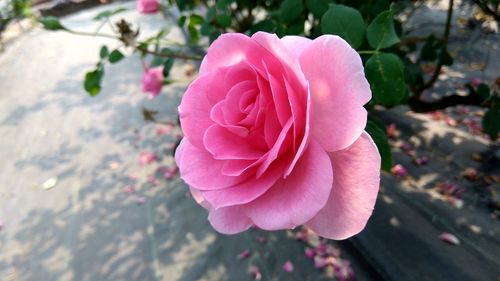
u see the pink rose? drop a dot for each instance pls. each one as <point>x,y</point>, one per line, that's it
<point>152,81</point>
<point>274,135</point>
<point>148,6</point>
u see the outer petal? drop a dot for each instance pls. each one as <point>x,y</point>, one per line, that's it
<point>229,220</point>
<point>194,110</point>
<point>228,49</point>
<point>200,170</point>
<point>296,44</point>
<point>298,198</point>
<point>338,88</point>
<point>355,188</point>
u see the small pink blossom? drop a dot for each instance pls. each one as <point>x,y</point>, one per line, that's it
<point>288,266</point>
<point>420,161</point>
<point>399,171</point>
<point>449,238</point>
<point>146,157</point>
<point>1,225</point>
<point>152,81</point>
<point>148,6</point>
<point>244,255</point>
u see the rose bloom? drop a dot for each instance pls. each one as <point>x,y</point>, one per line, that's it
<point>148,6</point>
<point>274,135</point>
<point>152,81</point>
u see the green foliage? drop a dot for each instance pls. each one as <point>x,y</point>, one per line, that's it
<point>345,22</point>
<point>385,72</point>
<point>380,138</point>
<point>115,56</point>
<point>381,33</point>
<point>290,10</point>
<point>92,81</point>
<point>51,23</point>
<point>317,7</point>
<point>491,123</point>
<point>104,53</point>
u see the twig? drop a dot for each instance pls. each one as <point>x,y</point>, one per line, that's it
<point>439,66</point>
<point>163,55</point>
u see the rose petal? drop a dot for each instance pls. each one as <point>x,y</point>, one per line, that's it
<point>200,170</point>
<point>355,187</point>
<point>229,220</point>
<point>296,44</point>
<point>339,90</point>
<point>246,191</point>
<point>228,49</point>
<point>194,110</point>
<point>223,144</point>
<point>296,199</point>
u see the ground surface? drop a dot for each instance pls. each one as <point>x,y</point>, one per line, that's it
<point>76,204</point>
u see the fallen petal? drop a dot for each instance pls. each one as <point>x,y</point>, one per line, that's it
<point>449,238</point>
<point>255,272</point>
<point>140,200</point>
<point>288,266</point>
<point>244,255</point>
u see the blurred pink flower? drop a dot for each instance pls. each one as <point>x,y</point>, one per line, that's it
<point>152,81</point>
<point>148,6</point>
<point>274,136</point>
<point>244,255</point>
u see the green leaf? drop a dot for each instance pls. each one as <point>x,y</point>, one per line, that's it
<point>195,19</point>
<point>429,49</point>
<point>224,20</point>
<point>193,33</point>
<point>265,25</point>
<point>222,4</point>
<point>108,13</point>
<point>51,23</point>
<point>380,138</point>
<point>445,57</point>
<point>345,22</point>
<point>181,21</point>
<point>381,33</point>
<point>385,72</point>
<point>211,13</point>
<point>92,82</point>
<point>491,123</point>
<point>483,90</point>
<point>115,56</point>
<point>104,53</point>
<point>167,66</point>
<point>317,7</point>
<point>160,60</point>
<point>205,29</point>
<point>290,10</point>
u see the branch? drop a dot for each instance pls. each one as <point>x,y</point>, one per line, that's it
<point>163,55</point>
<point>486,9</point>
<point>446,36</point>
<point>419,106</point>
